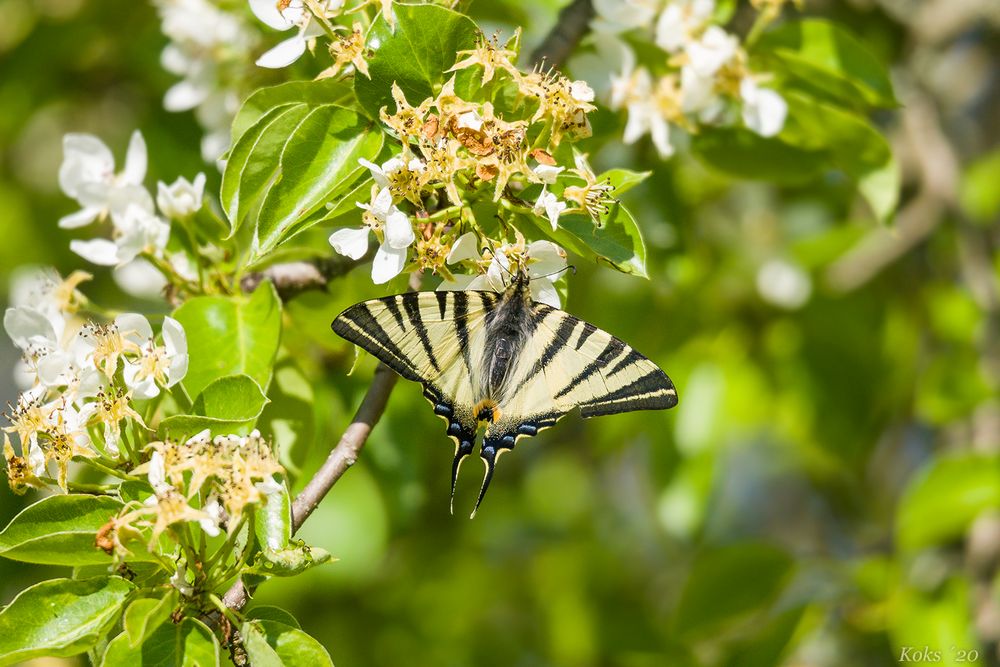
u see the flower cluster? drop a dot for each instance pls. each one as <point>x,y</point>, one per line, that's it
<point>454,152</point>
<point>137,234</point>
<point>80,379</point>
<point>703,78</point>
<point>209,49</point>
<point>210,481</point>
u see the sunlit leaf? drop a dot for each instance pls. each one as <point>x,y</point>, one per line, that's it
<point>60,617</point>
<point>59,530</point>
<point>231,335</point>
<point>415,54</point>
<point>189,644</point>
<point>273,644</point>
<point>941,502</point>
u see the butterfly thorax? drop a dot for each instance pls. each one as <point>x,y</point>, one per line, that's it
<point>508,329</point>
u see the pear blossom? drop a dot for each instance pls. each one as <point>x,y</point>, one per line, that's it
<point>137,230</point>
<point>87,174</point>
<point>615,16</point>
<point>540,259</point>
<point>182,198</point>
<point>390,224</point>
<point>179,581</point>
<point>400,176</point>
<point>156,364</point>
<point>680,20</point>
<point>551,206</point>
<point>711,51</point>
<point>290,15</point>
<point>546,174</point>
<point>764,110</point>
<point>214,515</point>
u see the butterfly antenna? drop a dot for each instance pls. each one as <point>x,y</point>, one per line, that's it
<point>461,451</point>
<point>489,456</point>
<point>569,267</point>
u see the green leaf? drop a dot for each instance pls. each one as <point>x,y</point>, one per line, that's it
<point>318,163</point>
<point>769,643</point>
<point>825,55</point>
<point>314,93</point>
<point>230,335</point>
<point>978,193</point>
<point>233,397</point>
<point>145,615</point>
<point>273,644</point>
<point>289,561</point>
<point>728,583</point>
<point>617,242</point>
<point>741,153</point>
<point>267,612</point>
<point>59,530</point>
<point>253,161</point>
<point>880,188</point>
<point>290,416</point>
<point>851,143</point>
<point>60,617</point>
<point>623,180</point>
<point>230,404</point>
<point>189,644</point>
<point>939,621</point>
<point>944,498</point>
<point>416,55</point>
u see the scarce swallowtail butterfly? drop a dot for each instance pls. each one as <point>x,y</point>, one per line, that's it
<point>502,359</point>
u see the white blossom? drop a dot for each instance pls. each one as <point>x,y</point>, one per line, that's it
<point>764,110</point>
<point>551,206</point>
<point>156,364</point>
<point>87,174</point>
<point>214,515</point>
<point>680,20</point>
<point>393,225</point>
<point>293,15</point>
<point>784,284</point>
<point>137,230</point>
<point>615,16</point>
<point>182,198</point>
<point>543,260</point>
<point>547,174</point>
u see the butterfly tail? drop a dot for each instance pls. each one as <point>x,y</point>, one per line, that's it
<point>462,449</point>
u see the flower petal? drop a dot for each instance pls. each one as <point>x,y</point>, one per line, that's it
<point>465,247</point>
<point>398,230</point>
<point>388,263</point>
<point>267,11</point>
<point>81,218</point>
<point>544,291</point>
<point>546,258</point>
<point>97,251</point>
<point>134,327</point>
<point>350,242</point>
<point>283,54</point>
<point>135,160</point>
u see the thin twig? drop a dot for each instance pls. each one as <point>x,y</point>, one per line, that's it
<point>342,457</point>
<point>293,278</point>
<point>569,29</point>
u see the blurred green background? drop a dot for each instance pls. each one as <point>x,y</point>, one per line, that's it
<point>828,490</point>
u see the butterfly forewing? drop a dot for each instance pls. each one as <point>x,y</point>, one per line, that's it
<point>517,365</point>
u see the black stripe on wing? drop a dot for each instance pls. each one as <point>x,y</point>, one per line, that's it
<point>359,326</point>
<point>652,391</point>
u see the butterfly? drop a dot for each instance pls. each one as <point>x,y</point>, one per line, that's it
<point>502,359</point>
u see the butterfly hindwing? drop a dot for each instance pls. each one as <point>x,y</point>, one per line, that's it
<point>434,338</point>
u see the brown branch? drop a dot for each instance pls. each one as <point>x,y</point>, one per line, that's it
<point>341,457</point>
<point>293,278</point>
<point>569,29</point>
